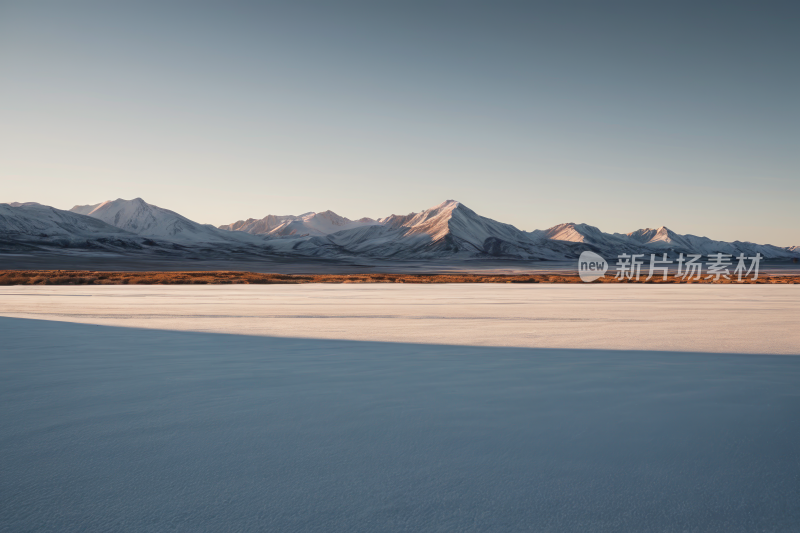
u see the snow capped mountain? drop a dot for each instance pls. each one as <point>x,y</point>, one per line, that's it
<point>139,217</point>
<point>665,240</point>
<point>32,226</point>
<point>395,221</point>
<point>648,240</point>
<point>649,236</point>
<point>472,232</point>
<point>25,204</point>
<point>259,226</point>
<point>579,233</point>
<point>85,209</point>
<point>314,224</point>
<point>451,229</point>
<point>570,232</point>
<point>32,219</point>
<point>448,230</point>
<point>318,224</point>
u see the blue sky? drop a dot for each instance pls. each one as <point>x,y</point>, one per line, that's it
<point>620,115</point>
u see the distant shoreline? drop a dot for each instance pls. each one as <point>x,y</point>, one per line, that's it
<point>221,277</point>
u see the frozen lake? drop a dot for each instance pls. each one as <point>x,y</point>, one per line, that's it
<point>694,318</point>
<point>298,426</point>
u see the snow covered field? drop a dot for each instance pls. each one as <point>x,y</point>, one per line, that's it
<point>695,318</point>
<point>575,409</point>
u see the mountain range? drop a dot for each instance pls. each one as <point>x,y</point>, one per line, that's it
<point>449,230</point>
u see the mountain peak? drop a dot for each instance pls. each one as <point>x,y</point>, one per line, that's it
<point>85,209</point>
<point>572,232</point>
<point>307,224</point>
<point>331,217</point>
<point>141,218</point>
<point>447,204</point>
<point>25,204</point>
<point>123,201</point>
<point>650,235</point>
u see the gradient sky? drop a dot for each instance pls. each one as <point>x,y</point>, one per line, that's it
<point>620,115</point>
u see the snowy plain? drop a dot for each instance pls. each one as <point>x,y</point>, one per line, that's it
<point>414,408</point>
<point>694,318</point>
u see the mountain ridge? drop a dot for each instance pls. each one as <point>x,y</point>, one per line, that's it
<point>448,230</point>
<point>138,217</point>
<point>311,223</point>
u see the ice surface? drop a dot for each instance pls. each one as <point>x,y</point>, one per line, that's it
<point>122,429</point>
<point>704,318</point>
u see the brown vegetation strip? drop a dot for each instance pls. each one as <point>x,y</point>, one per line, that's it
<point>86,277</point>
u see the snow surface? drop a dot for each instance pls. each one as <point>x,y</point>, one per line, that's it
<point>122,429</point>
<point>729,318</point>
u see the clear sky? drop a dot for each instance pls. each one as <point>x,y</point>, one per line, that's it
<point>620,115</point>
